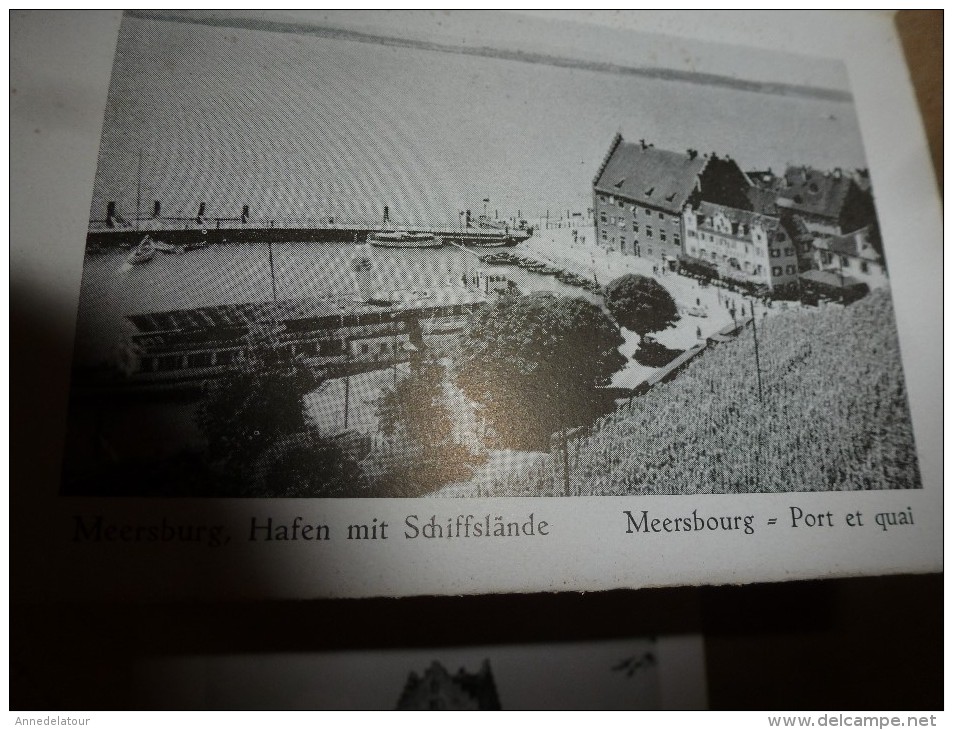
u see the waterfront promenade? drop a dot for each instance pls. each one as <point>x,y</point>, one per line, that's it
<point>582,256</point>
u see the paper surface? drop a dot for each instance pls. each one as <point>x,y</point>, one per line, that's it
<point>401,177</point>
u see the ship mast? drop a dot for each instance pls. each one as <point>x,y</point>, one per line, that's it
<point>138,189</point>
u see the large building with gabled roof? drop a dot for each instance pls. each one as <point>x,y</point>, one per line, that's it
<point>641,195</point>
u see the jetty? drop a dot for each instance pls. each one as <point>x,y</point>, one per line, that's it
<point>113,232</point>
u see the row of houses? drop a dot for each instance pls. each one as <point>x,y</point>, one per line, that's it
<point>755,227</point>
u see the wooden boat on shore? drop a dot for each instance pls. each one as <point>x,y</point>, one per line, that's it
<point>403,239</point>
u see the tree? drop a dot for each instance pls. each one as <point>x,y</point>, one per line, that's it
<point>308,465</point>
<point>416,414</point>
<point>258,435</point>
<point>532,363</point>
<point>641,304</point>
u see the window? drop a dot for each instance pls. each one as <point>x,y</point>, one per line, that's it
<point>365,348</point>
<point>169,362</point>
<point>776,271</point>
<point>200,360</point>
<point>650,250</point>
<point>602,216</point>
<point>661,216</point>
<point>603,234</point>
<point>648,212</point>
<point>635,226</point>
<point>790,269</point>
<point>620,204</point>
<point>648,231</point>
<point>602,198</point>
<point>863,267</point>
<point>789,251</point>
<point>844,261</point>
<point>678,239</point>
<point>662,234</point>
<point>622,244</point>
<point>775,252</point>
<point>691,233</point>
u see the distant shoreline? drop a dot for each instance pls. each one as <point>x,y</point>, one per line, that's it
<point>662,74</point>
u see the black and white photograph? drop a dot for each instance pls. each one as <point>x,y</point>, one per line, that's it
<point>642,673</point>
<point>351,258</point>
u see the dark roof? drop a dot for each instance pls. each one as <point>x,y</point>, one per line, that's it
<point>763,200</point>
<point>812,191</point>
<point>650,176</point>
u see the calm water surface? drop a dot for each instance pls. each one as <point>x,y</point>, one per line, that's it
<point>298,126</point>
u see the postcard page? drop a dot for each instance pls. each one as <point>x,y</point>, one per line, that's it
<point>411,303</point>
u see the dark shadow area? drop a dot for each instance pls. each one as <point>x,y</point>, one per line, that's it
<point>865,643</point>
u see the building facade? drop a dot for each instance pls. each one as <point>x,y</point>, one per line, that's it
<point>643,196</point>
<point>856,255</point>
<point>742,245</point>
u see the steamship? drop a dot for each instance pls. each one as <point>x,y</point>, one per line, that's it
<point>335,336</point>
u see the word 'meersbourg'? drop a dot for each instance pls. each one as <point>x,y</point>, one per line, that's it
<point>688,523</point>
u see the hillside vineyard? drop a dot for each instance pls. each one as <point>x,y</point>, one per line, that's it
<point>834,416</point>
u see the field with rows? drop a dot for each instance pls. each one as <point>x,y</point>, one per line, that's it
<point>833,416</point>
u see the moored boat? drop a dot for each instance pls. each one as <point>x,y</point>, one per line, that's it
<point>403,239</point>
<point>145,251</point>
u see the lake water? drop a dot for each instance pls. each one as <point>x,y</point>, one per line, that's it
<point>296,126</point>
